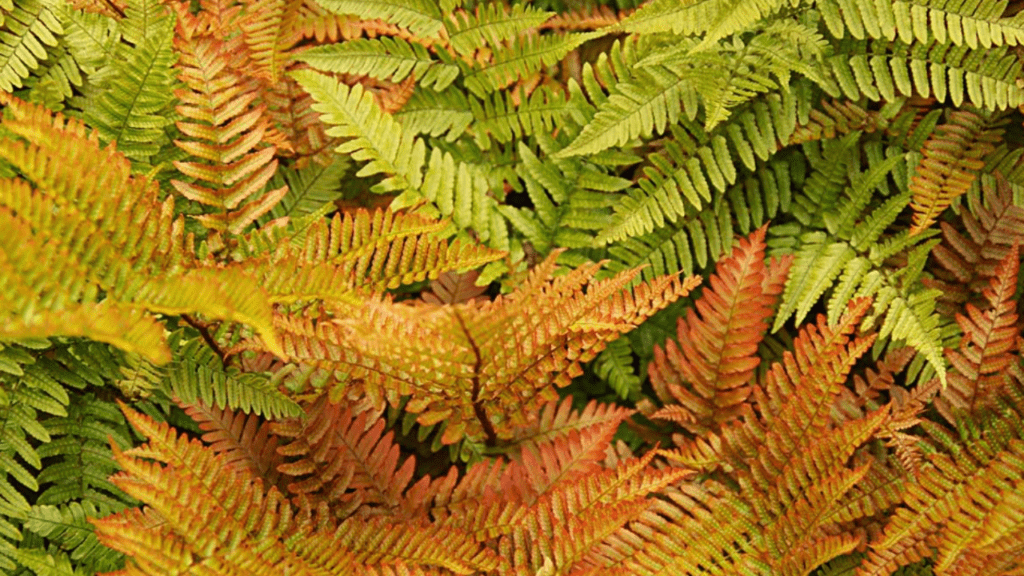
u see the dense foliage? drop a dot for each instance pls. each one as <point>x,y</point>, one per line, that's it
<point>452,287</point>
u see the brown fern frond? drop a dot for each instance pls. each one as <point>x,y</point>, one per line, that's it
<point>343,458</point>
<point>709,371</point>
<point>481,368</point>
<point>993,224</point>
<point>290,109</point>
<point>244,440</point>
<point>226,132</point>
<point>952,158</point>
<point>991,340</point>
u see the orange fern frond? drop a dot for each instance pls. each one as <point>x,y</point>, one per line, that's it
<point>205,518</point>
<point>558,418</point>
<point>227,132</point>
<point>709,371</point>
<point>789,475</point>
<point>481,368</point>
<point>269,34</point>
<point>343,458</point>
<point>991,340</point>
<point>952,158</point>
<point>243,439</point>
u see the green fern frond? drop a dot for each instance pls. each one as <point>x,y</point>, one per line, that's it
<point>422,17</point>
<point>975,24</point>
<point>309,189</point>
<point>696,240</point>
<point>436,114</point>
<point>614,365</point>
<point>492,24</point>
<point>69,528</point>
<point>520,59</point>
<point>503,117</point>
<point>131,108</point>
<point>80,455</point>
<point>715,19</point>
<point>26,29</point>
<point>197,374</point>
<point>987,78</point>
<point>455,189</point>
<point>383,58</point>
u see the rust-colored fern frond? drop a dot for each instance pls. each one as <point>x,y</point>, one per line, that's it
<point>709,371</point>
<point>343,458</point>
<point>779,501</point>
<point>483,369</point>
<point>245,440</point>
<point>227,132</point>
<point>952,158</point>
<point>991,340</point>
<point>290,108</point>
<point>205,517</point>
<point>993,224</point>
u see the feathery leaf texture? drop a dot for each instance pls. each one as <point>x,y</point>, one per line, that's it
<point>952,157</point>
<point>498,358</point>
<point>708,372</point>
<point>225,129</point>
<point>121,251</point>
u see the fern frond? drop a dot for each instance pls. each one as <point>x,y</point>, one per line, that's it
<point>973,25</point>
<point>953,155</point>
<point>225,133</point>
<point>709,370</point>
<point>336,259</point>
<point>27,28</point>
<point>343,457</point>
<point>269,34</point>
<point>250,530</point>
<point>110,234</point>
<point>504,117</point>
<point>69,527</point>
<point>520,59</point>
<point>197,376</point>
<point>383,58</point>
<point>492,24</point>
<point>981,362</point>
<point>992,224</point>
<point>131,108</point>
<point>455,189</point>
<point>309,188</point>
<point>422,17</point>
<point>496,358</point>
<point>985,78</point>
